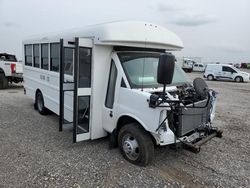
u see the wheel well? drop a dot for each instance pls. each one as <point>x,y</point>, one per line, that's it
<point>124,120</point>
<point>239,77</point>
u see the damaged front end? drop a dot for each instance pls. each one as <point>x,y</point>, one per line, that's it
<point>192,124</point>
<point>191,113</point>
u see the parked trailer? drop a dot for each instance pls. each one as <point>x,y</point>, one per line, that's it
<point>119,79</point>
<point>186,64</point>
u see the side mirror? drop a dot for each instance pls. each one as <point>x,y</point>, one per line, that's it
<point>165,70</point>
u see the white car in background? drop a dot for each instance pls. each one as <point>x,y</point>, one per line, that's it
<point>225,72</point>
<point>198,67</point>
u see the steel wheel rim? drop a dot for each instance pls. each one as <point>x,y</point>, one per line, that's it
<point>130,147</point>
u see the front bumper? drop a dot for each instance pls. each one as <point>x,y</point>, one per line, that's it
<point>17,75</point>
<point>195,145</point>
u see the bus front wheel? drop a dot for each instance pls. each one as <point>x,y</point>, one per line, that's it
<point>136,144</point>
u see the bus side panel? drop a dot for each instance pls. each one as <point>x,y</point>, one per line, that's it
<point>29,84</point>
<point>100,73</point>
<point>48,83</point>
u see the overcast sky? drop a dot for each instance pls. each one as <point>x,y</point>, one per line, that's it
<point>216,30</point>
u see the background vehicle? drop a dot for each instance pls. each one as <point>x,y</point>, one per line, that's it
<point>237,65</point>
<point>198,67</point>
<point>225,71</point>
<point>245,65</point>
<point>10,70</point>
<point>119,79</point>
<point>187,63</point>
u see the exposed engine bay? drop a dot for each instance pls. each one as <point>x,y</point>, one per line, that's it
<point>191,113</point>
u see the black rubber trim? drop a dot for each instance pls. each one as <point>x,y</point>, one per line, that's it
<point>124,48</point>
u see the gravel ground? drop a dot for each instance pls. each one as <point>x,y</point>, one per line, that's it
<point>34,154</point>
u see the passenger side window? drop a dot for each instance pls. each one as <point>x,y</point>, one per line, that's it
<point>110,96</point>
<point>28,54</point>
<point>196,65</point>
<point>84,67</point>
<point>54,57</point>
<point>228,69</point>
<point>200,65</point>
<point>68,60</point>
<point>36,55</point>
<point>45,57</point>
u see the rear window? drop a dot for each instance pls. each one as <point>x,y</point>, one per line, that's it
<point>7,57</point>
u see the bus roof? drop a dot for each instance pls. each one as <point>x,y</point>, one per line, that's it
<point>125,33</point>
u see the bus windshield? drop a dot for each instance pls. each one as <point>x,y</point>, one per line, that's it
<point>141,70</point>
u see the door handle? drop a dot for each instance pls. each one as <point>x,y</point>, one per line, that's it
<point>111,114</point>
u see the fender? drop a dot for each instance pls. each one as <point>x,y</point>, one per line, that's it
<point>134,117</point>
<point>114,134</point>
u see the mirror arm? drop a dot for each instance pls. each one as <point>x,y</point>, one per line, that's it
<point>164,92</point>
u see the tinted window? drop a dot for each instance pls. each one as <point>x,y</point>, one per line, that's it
<point>196,65</point>
<point>8,57</point>
<point>45,57</point>
<point>28,54</point>
<point>68,60</point>
<point>110,96</point>
<point>227,69</point>
<point>200,65</point>
<point>36,56</point>
<point>54,57</point>
<point>84,67</point>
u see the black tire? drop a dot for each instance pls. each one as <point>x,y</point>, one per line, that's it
<point>200,86</point>
<point>144,149</point>
<point>3,81</point>
<point>210,77</point>
<point>238,79</point>
<point>40,104</point>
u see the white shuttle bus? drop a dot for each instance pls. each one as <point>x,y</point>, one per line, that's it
<point>119,79</point>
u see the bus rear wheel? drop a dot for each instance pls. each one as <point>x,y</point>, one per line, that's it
<point>40,104</point>
<point>136,144</point>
